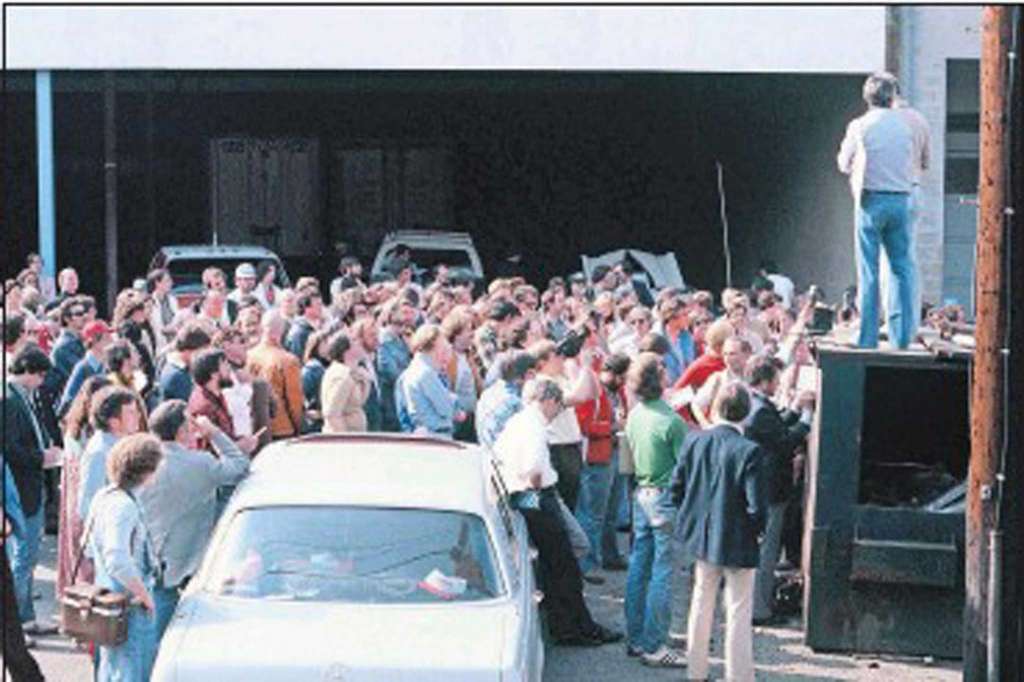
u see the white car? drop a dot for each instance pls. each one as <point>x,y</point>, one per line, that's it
<point>362,557</point>
<point>429,248</point>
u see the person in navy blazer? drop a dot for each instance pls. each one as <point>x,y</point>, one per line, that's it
<point>721,492</point>
<point>27,449</point>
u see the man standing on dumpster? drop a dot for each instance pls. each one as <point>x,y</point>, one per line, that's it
<point>877,153</point>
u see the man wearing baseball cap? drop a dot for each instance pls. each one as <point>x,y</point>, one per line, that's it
<point>96,337</point>
<point>245,283</point>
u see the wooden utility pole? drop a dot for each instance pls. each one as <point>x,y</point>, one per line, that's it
<point>1012,639</point>
<point>110,186</point>
<point>987,414</point>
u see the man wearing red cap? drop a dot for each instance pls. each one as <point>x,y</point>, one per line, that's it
<point>96,336</point>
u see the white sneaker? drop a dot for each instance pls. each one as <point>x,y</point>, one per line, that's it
<point>664,657</point>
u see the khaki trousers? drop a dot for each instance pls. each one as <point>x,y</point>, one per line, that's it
<point>739,604</point>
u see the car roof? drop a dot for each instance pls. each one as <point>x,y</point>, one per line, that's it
<point>370,469</point>
<point>431,239</point>
<point>187,251</point>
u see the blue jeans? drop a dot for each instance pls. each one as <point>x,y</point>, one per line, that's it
<point>649,580</point>
<point>892,306</point>
<point>883,219</point>
<point>165,599</point>
<point>132,660</point>
<point>23,549</point>
<point>595,487</point>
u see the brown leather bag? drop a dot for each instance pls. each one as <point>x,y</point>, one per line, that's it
<point>93,614</point>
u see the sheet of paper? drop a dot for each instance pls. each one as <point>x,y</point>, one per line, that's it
<point>682,397</point>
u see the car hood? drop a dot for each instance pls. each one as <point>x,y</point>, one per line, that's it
<point>229,639</point>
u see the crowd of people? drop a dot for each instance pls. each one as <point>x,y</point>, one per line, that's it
<point>607,406</point>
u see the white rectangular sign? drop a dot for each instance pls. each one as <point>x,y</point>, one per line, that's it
<point>752,39</point>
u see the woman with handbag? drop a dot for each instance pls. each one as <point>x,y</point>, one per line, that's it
<point>77,432</point>
<point>124,557</point>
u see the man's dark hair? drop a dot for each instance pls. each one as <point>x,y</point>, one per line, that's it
<point>599,273</point>
<point>305,300</point>
<point>761,370</point>
<point>117,354</point>
<point>167,419</point>
<point>880,89</point>
<point>14,327</point>
<point>654,343</point>
<point>502,310</point>
<point>264,267</point>
<point>732,403</point>
<point>337,346</point>
<point>644,376</point>
<point>69,306</point>
<point>616,363</point>
<point>516,364</point>
<point>206,364</point>
<point>347,262</point>
<point>191,337</point>
<point>30,360</point>
<point>107,405</point>
<point>154,277</point>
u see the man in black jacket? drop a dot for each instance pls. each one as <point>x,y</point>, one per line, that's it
<point>27,450</point>
<point>719,487</point>
<point>780,433</point>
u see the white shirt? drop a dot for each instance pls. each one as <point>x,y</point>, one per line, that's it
<point>878,152</point>
<point>783,287</point>
<point>522,451</point>
<point>564,429</point>
<point>238,399</point>
<point>709,390</point>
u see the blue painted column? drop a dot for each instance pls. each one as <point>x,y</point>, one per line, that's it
<point>45,181</point>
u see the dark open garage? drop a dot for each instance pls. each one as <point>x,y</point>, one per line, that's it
<point>547,165</point>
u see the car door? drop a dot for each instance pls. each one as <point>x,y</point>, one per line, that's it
<point>518,556</point>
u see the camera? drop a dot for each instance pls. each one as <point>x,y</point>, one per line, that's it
<point>572,344</point>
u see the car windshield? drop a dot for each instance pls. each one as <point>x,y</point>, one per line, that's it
<point>355,554</point>
<point>429,258</point>
<point>189,271</point>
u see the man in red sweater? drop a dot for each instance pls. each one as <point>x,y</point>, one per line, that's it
<point>704,366</point>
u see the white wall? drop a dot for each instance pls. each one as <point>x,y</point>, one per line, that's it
<point>937,34</point>
<point>835,39</point>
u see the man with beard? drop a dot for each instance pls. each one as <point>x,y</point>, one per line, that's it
<point>211,374</point>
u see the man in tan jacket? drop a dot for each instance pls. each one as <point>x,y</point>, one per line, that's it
<point>269,361</point>
<point>344,388</point>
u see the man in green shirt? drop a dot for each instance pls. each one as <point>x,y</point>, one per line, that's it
<point>655,434</point>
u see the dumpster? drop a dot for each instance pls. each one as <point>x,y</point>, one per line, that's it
<point>883,545</point>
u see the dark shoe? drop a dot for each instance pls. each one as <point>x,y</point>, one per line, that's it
<point>634,651</point>
<point>624,528</point>
<point>34,627</point>
<point>593,579</point>
<point>771,621</point>
<point>577,640</point>
<point>605,635</point>
<point>616,565</point>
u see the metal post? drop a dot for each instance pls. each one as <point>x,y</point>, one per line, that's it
<point>986,399</point>
<point>45,182</point>
<point>110,185</point>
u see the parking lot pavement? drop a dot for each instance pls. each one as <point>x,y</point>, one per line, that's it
<point>778,652</point>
